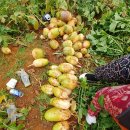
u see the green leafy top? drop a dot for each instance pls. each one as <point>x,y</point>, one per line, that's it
<point>110,34</point>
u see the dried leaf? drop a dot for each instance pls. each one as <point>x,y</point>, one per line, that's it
<point>3,97</point>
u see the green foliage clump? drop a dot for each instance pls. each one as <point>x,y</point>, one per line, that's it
<point>110,34</point>
<point>83,96</point>
<point>16,18</point>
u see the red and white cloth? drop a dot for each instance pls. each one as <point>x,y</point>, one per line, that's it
<point>116,100</point>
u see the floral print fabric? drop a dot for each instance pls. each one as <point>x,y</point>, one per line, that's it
<point>116,100</point>
<point>115,71</point>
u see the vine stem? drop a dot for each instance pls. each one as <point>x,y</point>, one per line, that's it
<point>7,126</point>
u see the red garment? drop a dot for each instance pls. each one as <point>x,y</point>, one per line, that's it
<point>116,100</point>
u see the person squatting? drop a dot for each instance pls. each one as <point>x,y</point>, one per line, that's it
<point>117,98</point>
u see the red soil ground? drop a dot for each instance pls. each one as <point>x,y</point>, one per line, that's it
<point>9,66</point>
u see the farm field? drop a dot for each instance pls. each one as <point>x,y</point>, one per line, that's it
<point>55,41</point>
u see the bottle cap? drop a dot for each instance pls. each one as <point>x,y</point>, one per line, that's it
<point>11,84</point>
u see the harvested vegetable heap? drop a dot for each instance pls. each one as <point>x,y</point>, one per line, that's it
<point>62,79</point>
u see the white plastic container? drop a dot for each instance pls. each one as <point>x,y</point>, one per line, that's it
<point>11,84</point>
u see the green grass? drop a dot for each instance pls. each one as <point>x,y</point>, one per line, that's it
<point>43,101</point>
<point>43,76</point>
<point>20,61</point>
<point>12,72</point>
<point>5,122</point>
<point>20,52</point>
<point>3,61</point>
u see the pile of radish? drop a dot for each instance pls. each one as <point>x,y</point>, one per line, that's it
<point>61,82</point>
<point>74,44</point>
<point>38,54</point>
<point>61,78</point>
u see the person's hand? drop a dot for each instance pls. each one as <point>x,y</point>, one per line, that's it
<point>82,75</point>
<point>90,119</point>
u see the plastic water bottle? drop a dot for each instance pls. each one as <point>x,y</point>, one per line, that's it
<point>16,92</point>
<point>24,77</point>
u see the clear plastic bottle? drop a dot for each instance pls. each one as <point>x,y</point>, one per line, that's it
<point>24,77</point>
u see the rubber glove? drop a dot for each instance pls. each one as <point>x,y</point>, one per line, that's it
<point>82,75</point>
<point>90,119</point>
